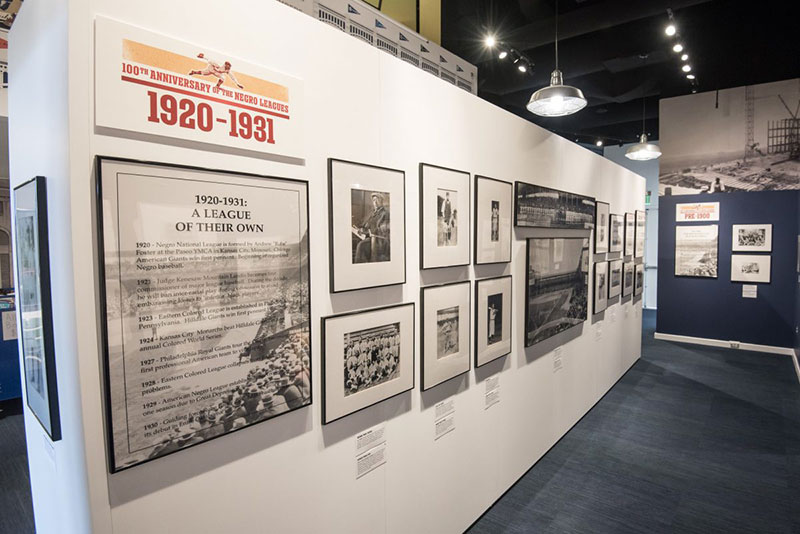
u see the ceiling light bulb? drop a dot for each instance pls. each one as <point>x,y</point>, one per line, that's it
<point>490,41</point>
<point>677,48</point>
<point>503,54</point>
<point>690,76</point>
<point>557,99</point>
<point>684,57</point>
<point>599,142</point>
<point>686,68</point>
<point>522,67</point>
<point>670,30</point>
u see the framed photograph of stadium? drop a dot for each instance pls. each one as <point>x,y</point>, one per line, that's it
<point>752,238</point>
<point>367,357</point>
<point>600,293</point>
<point>617,230</point>
<point>492,319</point>
<point>630,230</point>
<point>366,206</point>
<point>444,221</point>
<point>601,227</point>
<point>205,286</point>
<point>542,207</point>
<point>557,286</point>
<point>627,278</point>
<point>751,268</point>
<point>34,304</point>
<point>493,207</point>
<point>640,233</point>
<point>614,278</point>
<point>445,324</point>
<point>638,284</point>
<point>696,252</point>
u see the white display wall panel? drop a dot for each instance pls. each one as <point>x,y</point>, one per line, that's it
<point>292,474</point>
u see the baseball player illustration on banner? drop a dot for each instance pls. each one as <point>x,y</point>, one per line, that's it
<point>214,69</point>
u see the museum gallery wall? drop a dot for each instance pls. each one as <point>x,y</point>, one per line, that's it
<point>380,138</point>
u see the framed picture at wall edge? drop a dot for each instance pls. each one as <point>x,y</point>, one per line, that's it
<point>600,290</point>
<point>696,250</point>
<point>492,319</point>
<point>206,304</point>
<point>493,208</point>
<point>630,231</point>
<point>614,278</point>
<point>537,206</point>
<point>627,278</point>
<point>601,227</point>
<point>445,325</point>
<point>751,268</point>
<point>367,240</point>
<point>367,357</point>
<point>752,238</point>
<point>615,235</point>
<point>638,284</point>
<point>34,304</point>
<point>640,233</point>
<point>444,207</point>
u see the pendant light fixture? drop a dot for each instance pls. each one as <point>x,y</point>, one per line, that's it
<point>643,151</point>
<point>557,99</point>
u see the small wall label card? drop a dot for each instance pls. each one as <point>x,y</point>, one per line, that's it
<point>697,211</point>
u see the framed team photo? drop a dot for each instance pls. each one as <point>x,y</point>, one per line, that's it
<point>617,231</point>
<point>638,285</point>
<point>601,227</point>
<point>492,319</point>
<point>614,278</point>
<point>600,286</point>
<point>444,199</point>
<point>752,238</point>
<point>640,233</point>
<point>627,278</point>
<point>493,208</point>
<point>537,206</point>
<point>630,231</point>
<point>445,325</point>
<point>366,206</point>
<point>367,357</point>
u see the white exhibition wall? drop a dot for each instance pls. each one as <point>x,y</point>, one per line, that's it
<point>291,474</point>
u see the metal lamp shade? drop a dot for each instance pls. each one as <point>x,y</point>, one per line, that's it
<point>557,99</point>
<point>643,151</point>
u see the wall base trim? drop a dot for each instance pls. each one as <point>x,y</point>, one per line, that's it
<point>787,351</point>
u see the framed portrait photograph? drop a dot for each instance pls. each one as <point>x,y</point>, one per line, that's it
<point>206,304</point>
<point>696,251</point>
<point>444,224</point>
<point>493,208</point>
<point>366,207</point>
<point>445,324</point>
<point>614,278</point>
<point>638,284</point>
<point>617,231</point>
<point>627,278</point>
<point>367,357</point>
<point>630,231</point>
<point>752,238</point>
<point>556,286</point>
<point>600,288</point>
<point>492,319</point>
<point>34,304</point>
<point>601,227</point>
<point>640,233</point>
<point>542,207</point>
<point>752,268</point>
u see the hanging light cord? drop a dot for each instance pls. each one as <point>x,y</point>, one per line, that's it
<point>643,111</point>
<point>556,34</point>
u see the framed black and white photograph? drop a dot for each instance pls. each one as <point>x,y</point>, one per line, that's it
<point>492,319</point>
<point>630,231</point>
<point>446,327</point>
<point>34,304</point>
<point>557,286</point>
<point>600,289</point>
<point>638,284</point>
<point>493,207</point>
<point>444,217</point>
<point>617,231</point>
<point>601,227</point>
<point>206,304</point>
<point>628,272</point>
<point>751,268</point>
<point>752,238</point>
<point>367,357</point>
<point>614,278</point>
<point>542,207</point>
<point>696,251</point>
<point>640,233</point>
<point>366,207</point>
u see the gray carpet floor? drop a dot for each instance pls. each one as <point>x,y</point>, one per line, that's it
<point>16,510</point>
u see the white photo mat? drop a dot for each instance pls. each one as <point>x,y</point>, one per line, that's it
<point>617,226</point>
<point>493,238</point>
<point>752,268</point>
<point>630,226</point>
<point>600,287</point>
<point>453,250</point>
<point>640,234</point>
<point>601,227</point>
<point>485,352</point>
<point>638,284</point>
<point>627,278</point>
<point>751,238</point>
<point>440,362</point>
<point>614,273</point>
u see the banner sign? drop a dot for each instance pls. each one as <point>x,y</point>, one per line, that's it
<point>151,84</point>
<point>697,211</point>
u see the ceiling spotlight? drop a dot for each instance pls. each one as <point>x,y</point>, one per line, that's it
<point>599,142</point>
<point>503,54</point>
<point>490,41</point>
<point>522,67</point>
<point>677,48</point>
<point>670,30</point>
<point>690,76</point>
<point>684,57</point>
<point>686,68</point>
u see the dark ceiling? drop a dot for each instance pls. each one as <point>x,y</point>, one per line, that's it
<point>601,47</point>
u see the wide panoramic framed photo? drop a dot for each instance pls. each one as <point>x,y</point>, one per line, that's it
<point>638,283</point>
<point>600,288</point>
<point>34,303</point>
<point>752,268</point>
<point>616,234</point>
<point>492,319</point>
<point>537,206</point>
<point>556,286</point>
<point>444,199</point>
<point>367,357</point>
<point>367,236</point>
<point>628,271</point>
<point>630,231</point>
<point>752,238</point>
<point>640,233</point>
<point>614,278</point>
<point>445,325</point>
<point>206,304</point>
<point>601,227</point>
<point>493,208</point>
<point>696,251</point>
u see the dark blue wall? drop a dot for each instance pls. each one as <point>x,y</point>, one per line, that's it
<point>714,308</point>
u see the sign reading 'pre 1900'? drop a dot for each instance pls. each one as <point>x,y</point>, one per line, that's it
<point>150,84</point>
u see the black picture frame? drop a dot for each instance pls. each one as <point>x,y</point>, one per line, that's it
<point>422,291</point>
<point>331,262</point>
<point>478,316</point>
<point>468,226</point>
<point>597,227</point>
<point>611,268</point>
<point>519,193</point>
<point>629,239</point>
<point>641,233</point>
<point>41,254</point>
<point>475,217</point>
<point>621,220</point>
<point>602,305</point>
